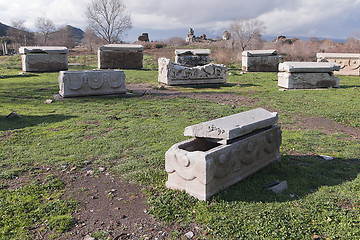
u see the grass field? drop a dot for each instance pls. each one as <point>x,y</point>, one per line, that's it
<point>130,135</point>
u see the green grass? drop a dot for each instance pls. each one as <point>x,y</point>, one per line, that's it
<point>130,135</point>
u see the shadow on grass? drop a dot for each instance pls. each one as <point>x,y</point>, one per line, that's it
<point>20,76</point>
<point>303,174</point>
<point>29,121</point>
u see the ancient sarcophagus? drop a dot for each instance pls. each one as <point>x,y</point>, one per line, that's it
<point>192,57</point>
<point>260,61</point>
<point>223,152</point>
<point>123,56</point>
<point>44,59</point>
<point>91,82</point>
<point>308,75</point>
<point>349,62</point>
<point>176,74</point>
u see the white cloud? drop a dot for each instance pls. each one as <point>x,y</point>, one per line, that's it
<point>322,18</point>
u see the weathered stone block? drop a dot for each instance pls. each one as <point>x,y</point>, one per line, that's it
<point>260,61</point>
<point>307,75</point>
<point>123,56</point>
<point>192,57</point>
<point>175,74</point>
<point>349,62</point>
<point>91,82</point>
<point>44,59</point>
<point>203,167</point>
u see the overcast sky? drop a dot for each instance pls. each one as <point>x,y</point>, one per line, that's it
<point>163,19</point>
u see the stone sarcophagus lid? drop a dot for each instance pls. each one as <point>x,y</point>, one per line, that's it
<point>308,75</point>
<point>349,62</point>
<point>223,152</point>
<point>260,61</point>
<point>192,57</point>
<point>176,74</point>
<point>44,59</point>
<point>91,82</point>
<point>123,56</point>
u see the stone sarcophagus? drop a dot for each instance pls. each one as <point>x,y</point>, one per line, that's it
<point>91,82</point>
<point>123,56</point>
<point>176,74</point>
<point>192,57</point>
<point>349,62</point>
<point>223,152</point>
<point>44,59</point>
<point>308,75</point>
<point>260,61</point>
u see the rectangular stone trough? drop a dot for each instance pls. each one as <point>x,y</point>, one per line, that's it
<point>91,82</point>
<point>44,59</point>
<point>122,56</point>
<point>223,152</point>
<point>349,62</point>
<point>192,57</point>
<point>308,75</point>
<point>176,74</point>
<point>260,61</point>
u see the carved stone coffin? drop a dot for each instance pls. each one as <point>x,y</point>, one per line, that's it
<point>349,62</point>
<point>123,56</point>
<point>203,166</point>
<point>176,74</point>
<point>260,61</point>
<point>91,82</point>
<point>192,57</point>
<point>44,59</point>
<point>308,75</point>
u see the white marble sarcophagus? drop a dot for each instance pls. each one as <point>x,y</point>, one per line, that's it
<point>176,74</point>
<point>91,82</point>
<point>223,152</point>
<point>192,57</point>
<point>260,61</point>
<point>44,58</point>
<point>122,56</point>
<point>349,62</point>
<point>308,75</point>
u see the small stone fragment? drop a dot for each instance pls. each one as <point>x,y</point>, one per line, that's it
<point>88,237</point>
<point>327,158</point>
<point>13,115</point>
<point>279,188</point>
<point>189,235</point>
<point>48,101</point>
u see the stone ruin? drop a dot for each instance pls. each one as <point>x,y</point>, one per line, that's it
<point>260,61</point>
<point>192,57</point>
<point>44,58</point>
<point>349,62</point>
<point>122,56</point>
<point>176,74</point>
<point>144,37</point>
<point>91,82</point>
<point>223,152</point>
<point>308,75</point>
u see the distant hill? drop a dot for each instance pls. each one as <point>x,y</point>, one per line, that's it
<point>71,31</point>
<point>3,29</point>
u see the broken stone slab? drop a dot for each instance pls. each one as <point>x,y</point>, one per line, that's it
<point>91,82</point>
<point>176,74</point>
<point>349,62</point>
<point>279,187</point>
<point>192,57</point>
<point>308,67</point>
<point>260,61</point>
<point>233,126</point>
<point>123,56</point>
<point>203,168</point>
<point>44,58</point>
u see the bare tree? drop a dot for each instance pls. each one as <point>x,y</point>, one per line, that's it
<point>246,32</point>
<point>108,19</point>
<point>45,26</point>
